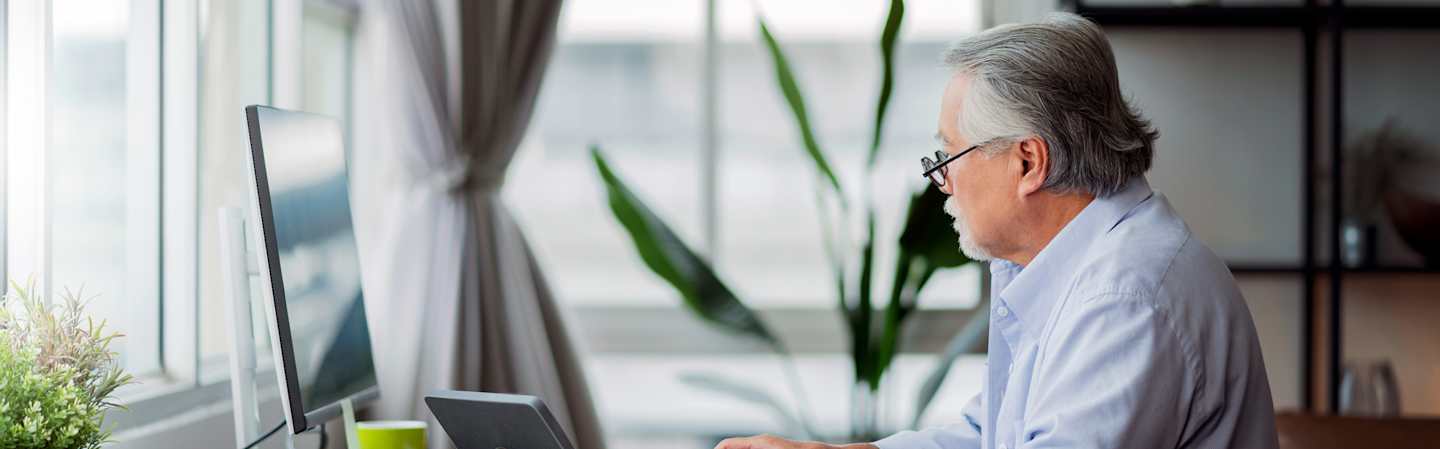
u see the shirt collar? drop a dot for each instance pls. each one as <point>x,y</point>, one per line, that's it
<point>1031,291</point>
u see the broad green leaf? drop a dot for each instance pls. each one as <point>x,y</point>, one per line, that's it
<point>966,341</point>
<point>928,232</point>
<point>927,244</point>
<point>796,100</point>
<point>888,37</point>
<point>666,255</point>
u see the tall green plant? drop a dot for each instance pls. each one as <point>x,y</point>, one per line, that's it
<point>926,245</point>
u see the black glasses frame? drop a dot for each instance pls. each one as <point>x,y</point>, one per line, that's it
<point>931,166</point>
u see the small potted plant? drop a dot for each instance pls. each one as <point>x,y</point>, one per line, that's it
<point>57,372</point>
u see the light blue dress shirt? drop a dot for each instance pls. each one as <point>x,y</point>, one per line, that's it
<point>1124,332</point>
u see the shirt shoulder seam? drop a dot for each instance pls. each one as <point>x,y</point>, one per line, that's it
<point>1187,346</point>
<point>1170,262</point>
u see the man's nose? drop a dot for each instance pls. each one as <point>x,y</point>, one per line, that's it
<point>948,187</point>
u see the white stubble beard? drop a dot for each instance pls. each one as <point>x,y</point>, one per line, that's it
<point>962,229</point>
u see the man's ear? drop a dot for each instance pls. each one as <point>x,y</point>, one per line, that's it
<point>1034,159</point>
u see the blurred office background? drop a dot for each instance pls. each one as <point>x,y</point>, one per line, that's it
<point>123,133</point>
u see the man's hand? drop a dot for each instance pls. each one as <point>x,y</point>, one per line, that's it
<point>773,442</point>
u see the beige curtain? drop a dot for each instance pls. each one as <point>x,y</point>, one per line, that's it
<point>461,301</point>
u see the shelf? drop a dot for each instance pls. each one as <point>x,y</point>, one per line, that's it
<point>1416,17</point>
<point>1322,269</point>
<point>1318,25</point>
<point>1391,270</point>
<point>1266,269</point>
<point>1368,17</point>
<point>1199,16</point>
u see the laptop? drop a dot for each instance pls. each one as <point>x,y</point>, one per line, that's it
<point>476,420</point>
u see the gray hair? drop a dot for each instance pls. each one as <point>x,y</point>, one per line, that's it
<point>1055,79</point>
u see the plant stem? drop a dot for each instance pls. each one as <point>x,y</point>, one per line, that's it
<point>832,251</point>
<point>802,400</point>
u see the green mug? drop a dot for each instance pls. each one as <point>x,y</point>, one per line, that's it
<point>391,434</point>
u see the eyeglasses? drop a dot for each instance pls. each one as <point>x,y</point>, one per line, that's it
<point>936,170</point>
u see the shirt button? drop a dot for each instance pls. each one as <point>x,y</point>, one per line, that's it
<point>1003,312</point>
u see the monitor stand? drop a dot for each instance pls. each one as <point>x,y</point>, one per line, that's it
<point>239,265</point>
<point>352,436</point>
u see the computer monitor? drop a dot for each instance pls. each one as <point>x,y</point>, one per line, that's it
<point>310,270</point>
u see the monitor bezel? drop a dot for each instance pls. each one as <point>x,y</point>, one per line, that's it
<point>273,289</point>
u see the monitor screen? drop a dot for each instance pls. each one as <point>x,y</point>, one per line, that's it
<point>311,261</point>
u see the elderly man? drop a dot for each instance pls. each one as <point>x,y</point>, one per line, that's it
<point>1112,326</point>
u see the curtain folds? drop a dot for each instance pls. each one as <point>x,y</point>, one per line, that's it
<point>459,300</point>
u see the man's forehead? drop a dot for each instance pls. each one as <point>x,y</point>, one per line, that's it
<point>956,86</point>
<point>940,137</point>
<point>950,109</point>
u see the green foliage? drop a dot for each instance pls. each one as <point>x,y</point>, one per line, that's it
<point>57,373</point>
<point>669,257</point>
<point>704,294</point>
<point>796,101</point>
<point>888,37</point>
<point>926,245</point>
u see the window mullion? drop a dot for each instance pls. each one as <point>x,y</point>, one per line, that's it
<point>27,249</point>
<point>710,137</point>
<point>179,184</point>
<point>286,59</point>
<point>141,317</point>
<point>4,122</point>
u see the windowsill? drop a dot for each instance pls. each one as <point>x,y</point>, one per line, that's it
<point>620,350</point>
<point>639,397</point>
<point>805,330</point>
<point>163,398</point>
<point>644,395</point>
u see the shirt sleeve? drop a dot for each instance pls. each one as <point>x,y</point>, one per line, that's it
<point>1116,375</point>
<point>962,435</point>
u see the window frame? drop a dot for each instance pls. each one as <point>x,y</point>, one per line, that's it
<point>180,137</point>
<point>163,89</point>
<point>27,68</point>
<point>4,141</point>
<point>189,379</point>
<point>143,164</point>
<point>162,149</point>
<point>610,329</point>
<point>162,145</point>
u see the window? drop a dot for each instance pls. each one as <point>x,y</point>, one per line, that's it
<point>768,182</point>
<point>235,67</point>
<point>123,133</point>
<point>326,49</point>
<point>629,75</point>
<point>239,67</point>
<point>101,162</point>
<point>633,84</point>
<point>630,83</point>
